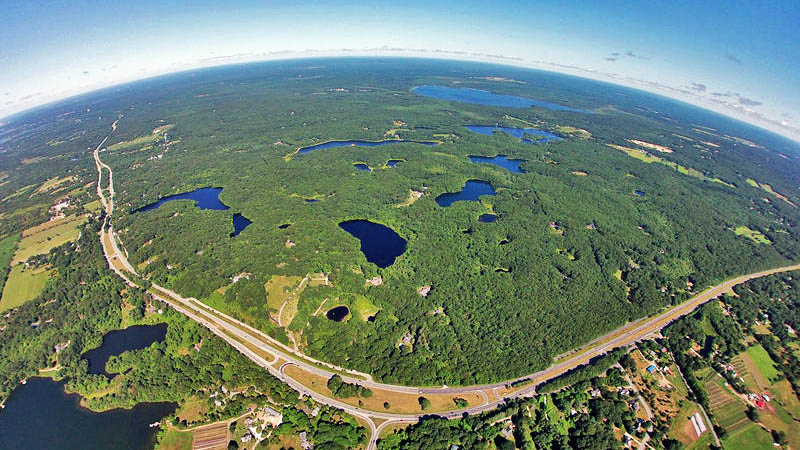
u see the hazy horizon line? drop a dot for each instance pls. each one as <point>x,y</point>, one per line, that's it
<point>669,92</point>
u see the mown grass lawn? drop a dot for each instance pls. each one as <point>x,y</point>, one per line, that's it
<point>43,241</point>
<point>750,437</point>
<point>22,286</point>
<point>763,362</point>
<point>175,440</point>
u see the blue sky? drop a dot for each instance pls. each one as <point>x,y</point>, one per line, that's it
<point>739,58</point>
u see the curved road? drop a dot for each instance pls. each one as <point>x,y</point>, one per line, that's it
<point>255,344</point>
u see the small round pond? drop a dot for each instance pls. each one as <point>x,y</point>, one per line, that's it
<point>338,313</point>
<point>393,163</point>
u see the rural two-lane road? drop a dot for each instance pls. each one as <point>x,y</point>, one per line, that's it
<point>257,346</point>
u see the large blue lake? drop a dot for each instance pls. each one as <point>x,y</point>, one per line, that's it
<point>481,97</point>
<point>542,136</point>
<point>358,143</point>
<point>470,192</point>
<point>40,415</point>
<point>379,243</point>
<point>204,198</point>
<point>512,165</point>
<point>116,342</point>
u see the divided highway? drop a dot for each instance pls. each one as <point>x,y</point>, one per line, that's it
<point>277,357</point>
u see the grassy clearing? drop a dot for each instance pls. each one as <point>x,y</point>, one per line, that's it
<point>41,242</point>
<point>762,361</point>
<point>7,247</point>
<point>49,224</point>
<point>579,132</point>
<point>54,183</point>
<point>753,235</point>
<point>22,286</point>
<point>413,196</point>
<point>279,288</point>
<point>748,437</point>
<point>364,307</point>
<point>783,409</point>
<point>284,442</point>
<point>192,409</point>
<point>175,440</point>
<point>768,189</point>
<point>141,140</point>
<point>18,192</point>
<point>648,158</point>
<point>93,206</point>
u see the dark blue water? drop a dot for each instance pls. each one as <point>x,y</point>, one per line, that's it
<point>357,143</point>
<point>240,222</point>
<point>393,162</point>
<point>543,136</point>
<point>311,200</point>
<point>204,198</point>
<point>362,167</point>
<point>379,243</point>
<point>512,165</point>
<point>471,191</point>
<point>480,97</point>
<point>338,313</point>
<point>488,218</point>
<point>639,193</point>
<point>115,342</point>
<point>40,415</point>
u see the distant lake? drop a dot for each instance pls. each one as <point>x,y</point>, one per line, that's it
<point>338,313</point>
<point>379,243</point>
<point>362,167</point>
<point>118,341</point>
<point>358,143</point>
<point>488,218</point>
<point>481,97</point>
<point>639,193</point>
<point>40,415</point>
<point>470,192</point>
<point>516,132</point>
<point>393,162</point>
<point>204,198</point>
<point>512,165</point>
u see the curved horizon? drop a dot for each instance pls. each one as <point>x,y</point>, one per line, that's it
<point>738,61</point>
<point>487,59</point>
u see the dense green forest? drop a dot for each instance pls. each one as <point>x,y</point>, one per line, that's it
<point>574,254</point>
